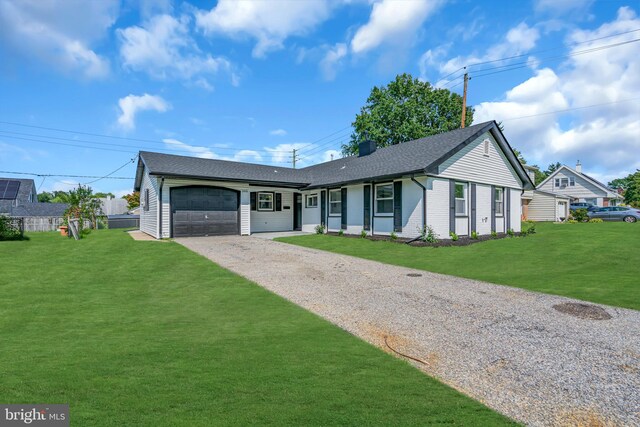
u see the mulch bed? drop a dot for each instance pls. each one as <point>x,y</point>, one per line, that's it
<point>462,241</point>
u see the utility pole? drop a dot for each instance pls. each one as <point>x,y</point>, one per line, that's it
<point>294,158</point>
<point>464,99</point>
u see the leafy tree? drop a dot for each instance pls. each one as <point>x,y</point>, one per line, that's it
<point>133,200</point>
<point>45,197</point>
<point>520,156</point>
<point>552,168</point>
<point>60,197</point>
<point>404,110</point>
<point>84,206</point>
<point>630,185</point>
<point>104,195</point>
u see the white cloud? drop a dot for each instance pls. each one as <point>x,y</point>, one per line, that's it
<point>131,105</point>
<point>606,138</point>
<point>59,33</point>
<point>208,153</point>
<point>278,132</point>
<point>332,60</point>
<point>164,49</point>
<point>270,23</point>
<point>518,40</point>
<point>392,21</point>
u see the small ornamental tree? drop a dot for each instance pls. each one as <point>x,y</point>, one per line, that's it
<point>83,206</point>
<point>133,200</point>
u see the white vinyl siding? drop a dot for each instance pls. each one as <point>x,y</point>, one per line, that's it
<point>483,209</point>
<point>470,164</point>
<point>263,221</point>
<point>355,209</point>
<point>438,206</point>
<point>582,190</point>
<point>516,209</point>
<point>544,207</point>
<point>149,214</point>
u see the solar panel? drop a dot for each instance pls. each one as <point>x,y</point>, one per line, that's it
<point>9,189</point>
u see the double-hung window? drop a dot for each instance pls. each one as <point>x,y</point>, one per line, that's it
<point>312,201</point>
<point>572,181</point>
<point>562,182</point>
<point>461,199</point>
<point>145,200</point>
<point>265,201</point>
<point>335,202</point>
<point>499,195</point>
<point>384,199</point>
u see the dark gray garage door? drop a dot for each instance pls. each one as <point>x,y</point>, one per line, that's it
<point>204,211</point>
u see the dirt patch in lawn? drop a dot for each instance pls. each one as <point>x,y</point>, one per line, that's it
<point>583,311</point>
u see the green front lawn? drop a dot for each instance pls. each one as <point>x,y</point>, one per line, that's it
<point>148,333</point>
<point>593,262</point>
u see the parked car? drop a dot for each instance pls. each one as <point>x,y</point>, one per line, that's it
<point>587,206</point>
<point>616,213</point>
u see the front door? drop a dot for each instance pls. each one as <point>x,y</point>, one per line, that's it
<point>297,211</point>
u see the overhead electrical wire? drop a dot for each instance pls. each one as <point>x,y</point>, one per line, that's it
<point>53,175</point>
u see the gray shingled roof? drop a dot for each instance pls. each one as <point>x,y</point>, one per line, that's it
<point>39,209</point>
<point>402,159</point>
<point>27,186</point>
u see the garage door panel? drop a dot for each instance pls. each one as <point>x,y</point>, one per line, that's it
<point>204,211</point>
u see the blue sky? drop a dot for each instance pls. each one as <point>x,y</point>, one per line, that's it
<point>85,85</point>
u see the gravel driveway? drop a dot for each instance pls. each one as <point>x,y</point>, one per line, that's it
<point>506,347</point>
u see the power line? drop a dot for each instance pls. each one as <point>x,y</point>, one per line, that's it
<point>323,138</point>
<point>106,136</point>
<point>50,175</point>
<point>572,109</point>
<point>111,173</point>
<point>548,50</point>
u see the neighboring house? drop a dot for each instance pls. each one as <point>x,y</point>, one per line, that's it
<point>15,192</point>
<point>538,205</point>
<point>580,187</point>
<point>460,181</point>
<point>113,206</point>
<point>18,198</point>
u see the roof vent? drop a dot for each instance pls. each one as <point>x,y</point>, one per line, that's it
<point>366,147</point>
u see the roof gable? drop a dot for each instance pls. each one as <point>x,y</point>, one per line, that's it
<point>416,156</point>
<point>581,175</point>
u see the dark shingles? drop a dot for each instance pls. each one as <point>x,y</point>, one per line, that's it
<point>27,187</point>
<point>396,160</point>
<point>39,209</point>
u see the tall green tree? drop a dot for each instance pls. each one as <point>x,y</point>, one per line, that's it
<point>404,110</point>
<point>45,197</point>
<point>630,185</point>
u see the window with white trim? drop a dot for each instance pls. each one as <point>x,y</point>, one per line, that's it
<point>572,181</point>
<point>562,182</point>
<point>384,199</point>
<point>461,199</point>
<point>265,201</point>
<point>486,144</point>
<point>312,201</point>
<point>335,202</point>
<point>499,198</point>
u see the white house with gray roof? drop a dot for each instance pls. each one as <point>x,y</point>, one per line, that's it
<point>580,187</point>
<point>460,181</point>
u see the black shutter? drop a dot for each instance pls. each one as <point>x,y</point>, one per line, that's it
<point>278,202</point>
<point>508,210</point>
<point>473,207</point>
<point>343,197</point>
<point>452,206</point>
<point>397,206</point>
<point>367,208</point>
<point>323,207</point>
<point>493,208</point>
<point>252,197</point>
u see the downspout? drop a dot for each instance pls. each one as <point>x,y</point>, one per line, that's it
<point>424,207</point>
<point>160,208</point>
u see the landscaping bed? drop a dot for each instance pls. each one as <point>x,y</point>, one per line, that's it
<point>462,240</point>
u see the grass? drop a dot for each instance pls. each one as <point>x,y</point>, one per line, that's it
<point>148,333</point>
<point>593,262</point>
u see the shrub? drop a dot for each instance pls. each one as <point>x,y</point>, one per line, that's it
<point>319,229</point>
<point>528,227</point>
<point>427,234</point>
<point>454,236</point>
<point>572,221</point>
<point>580,215</point>
<point>363,234</point>
<point>393,235</point>
<point>474,235</point>
<point>9,229</point>
<point>510,232</point>
<point>341,233</point>
<point>494,234</point>
<point>596,220</point>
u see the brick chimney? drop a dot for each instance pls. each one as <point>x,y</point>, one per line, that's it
<point>579,167</point>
